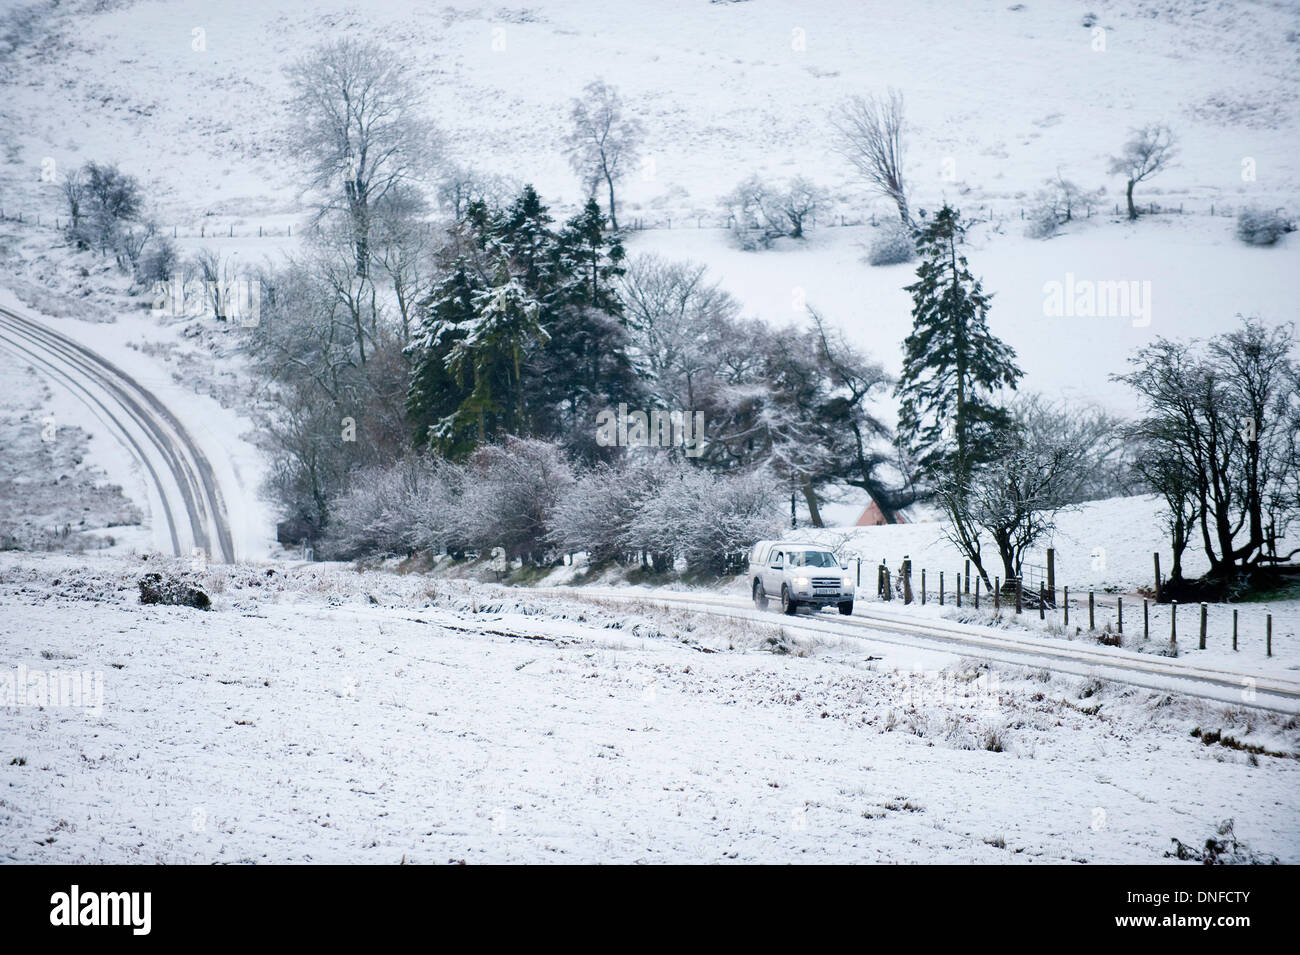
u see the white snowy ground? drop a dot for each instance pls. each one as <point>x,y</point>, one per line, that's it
<point>191,94</point>
<point>321,714</point>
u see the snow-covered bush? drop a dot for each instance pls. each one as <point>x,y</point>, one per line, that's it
<point>510,492</point>
<point>377,514</point>
<point>593,512</point>
<point>892,245</point>
<point>1043,223</point>
<point>160,261</point>
<point>1060,202</point>
<point>1261,227</point>
<point>765,211</point>
<point>707,519</point>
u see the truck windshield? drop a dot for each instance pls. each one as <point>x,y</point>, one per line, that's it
<point>812,558</point>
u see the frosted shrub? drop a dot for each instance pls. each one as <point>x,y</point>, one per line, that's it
<point>892,245</point>
<point>1261,227</point>
<point>705,518</point>
<point>377,514</point>
<point>1043,222</point>
<point>510,492</point>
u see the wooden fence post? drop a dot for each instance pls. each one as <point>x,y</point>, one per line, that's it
<point>977,592</point>
<point>1268,639</point>
<point>1120,613</point>
<point>1204,612</point>
<point>1146,619</point>
<point>922,586</point>
<point>941,588</point>
<point>1066,599</point>
<point>1020,594</point>
<point>1042,600</point>
<point>1173,622</point>
<point>1092,617</point>
<point>1051,574</point>
<point>1234,629</point>
<point>1157,560</point>
<point>958,587</point>
<point>997,593</point>
<point>907,579</point>
<point>967,578</point>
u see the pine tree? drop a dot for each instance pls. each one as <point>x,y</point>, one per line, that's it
<point>506,323</point>
<point>526,336</point>
<point>585,367</point>
<point>952,363</point>
<point>435,394</point>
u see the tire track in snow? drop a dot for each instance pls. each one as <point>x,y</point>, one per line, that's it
<point>1155,673</point>
<point>183,477</point>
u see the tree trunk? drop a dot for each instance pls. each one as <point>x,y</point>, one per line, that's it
<point>814,515</point>
<point>613,219</point>
<point>1132,210</point>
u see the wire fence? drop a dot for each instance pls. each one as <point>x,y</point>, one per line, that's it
<point>984,213</point>
<point>996,215</point>
<point>1060,609</point>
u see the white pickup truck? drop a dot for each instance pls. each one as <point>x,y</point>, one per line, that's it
<point>798,575</point>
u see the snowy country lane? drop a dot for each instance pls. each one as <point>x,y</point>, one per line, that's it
<point>185,500</point>
<point>1275,689</point>
<point>324,714</point>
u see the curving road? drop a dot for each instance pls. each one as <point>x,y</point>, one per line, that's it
<point>186,499</point>
<point>876,626</point>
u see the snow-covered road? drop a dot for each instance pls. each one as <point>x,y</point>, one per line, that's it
<point>184,494</point>
<point>1262,686</point>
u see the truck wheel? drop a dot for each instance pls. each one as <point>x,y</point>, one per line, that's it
<point>788,605</point>
<point>846,608</point>
<point>760,598</point>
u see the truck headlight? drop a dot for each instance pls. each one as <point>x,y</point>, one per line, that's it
<point>847,583</point>
<point>802,582</point>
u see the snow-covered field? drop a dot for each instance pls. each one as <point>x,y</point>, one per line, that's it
<point>322,714</point>
<point>724,89</point>
<point>203,113</point>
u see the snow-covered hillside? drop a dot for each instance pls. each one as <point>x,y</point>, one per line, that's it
<point>724,89</point>
<point>317,714</point>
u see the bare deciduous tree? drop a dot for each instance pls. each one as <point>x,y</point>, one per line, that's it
<point>405,243</point>
<point>870,134</point>
<point>676,315</point>
<point>1013,498</point>
<point>604,141</point>
<point>1149,151</point>
<point>1225,412</point>
<point>359,130</point>
<point>73,187</point>
<point>463,186</point>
